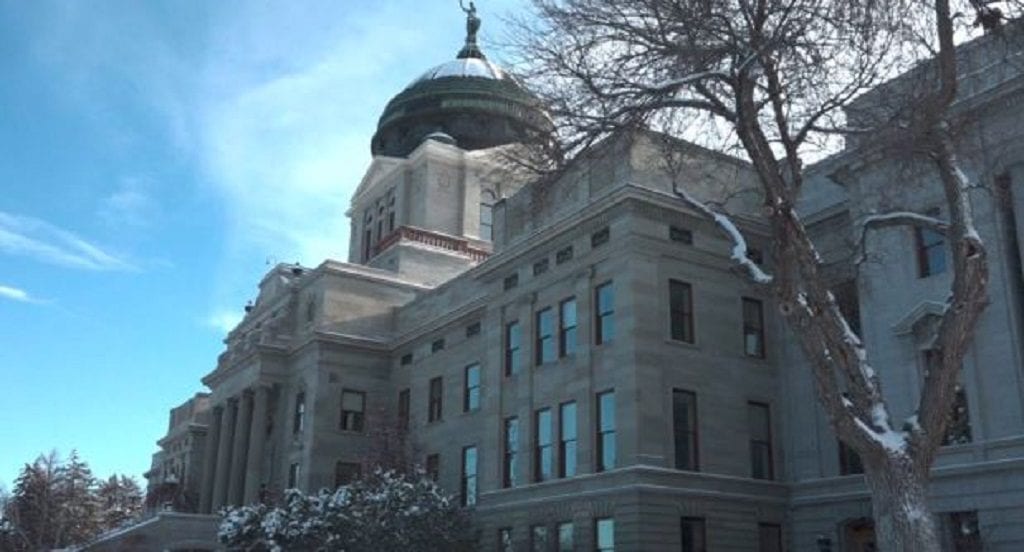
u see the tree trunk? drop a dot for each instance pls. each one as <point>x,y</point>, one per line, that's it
<point>899,499</point>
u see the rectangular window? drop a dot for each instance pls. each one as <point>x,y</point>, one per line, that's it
<point>539,538</point>
<point>473,329</point>
<point>513,342</point>
<point>511,281</point>
<point>601,237</point>
<point>299,417</point>
<point>680,301</point>
<point>433,468</point>
<point>540,267</point>
<point>346,472</point>
<point>964,532</point>
<point>769,536</point>
<point>437,345</point>
<point>849,460</point>
<point>487,218</point>
<point>684,418</point>
<point>931,250</point>
<point>563,255</point>
<point>604,315</point>
<point>508,469</point>
<point>753,328</point>
<point>848,301</point>
<point>605,430</point>
<point>391,210</point>
<point>958,428</point>
<point>403,409</point>
<point>545,339</point>
<point>567,326</point>
<point>468,486</point>
<point>543,449</point>
<point>565,536</point>
<point>434,402</point>
<point>406,359</point>
<point>353,410</point>
<point>505,540</point>
<point>604,535</point>
<point>681,235</point>
<point>760,427</point>
<point>471,392</point>
<point>567,440</point>
<point>691,530</point>
<point>293,475</point>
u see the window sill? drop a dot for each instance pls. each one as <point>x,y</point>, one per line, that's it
<point>683,344</point>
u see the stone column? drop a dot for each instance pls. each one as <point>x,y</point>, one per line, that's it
<point>210,460</point>
<point>239,446</point>
<point>227,431</point>
<point>257,436</point>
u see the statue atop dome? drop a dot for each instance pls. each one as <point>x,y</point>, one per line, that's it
<point>470,50</point>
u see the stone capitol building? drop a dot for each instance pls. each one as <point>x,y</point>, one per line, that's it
<point>578,361</point>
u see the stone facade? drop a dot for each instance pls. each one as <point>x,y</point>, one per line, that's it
<point>472,303</point>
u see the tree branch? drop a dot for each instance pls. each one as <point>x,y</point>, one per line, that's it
<point>739,253</point>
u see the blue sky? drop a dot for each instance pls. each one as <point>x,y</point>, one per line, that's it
<point>154,156</point>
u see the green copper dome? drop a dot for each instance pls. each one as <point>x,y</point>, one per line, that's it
<point>475,102</point>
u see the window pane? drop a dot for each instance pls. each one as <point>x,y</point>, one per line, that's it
<point>605,534</point>
<point>605,314</point>
<point>606,431</point>
<point>684,413</point>
<point>692,533</point>
<point>471,400</point>
<point>565,537</point>
<point>567,317</point>
<point>759,423</point>
<point>567,431</point>
<point>509,477</point>
<point>513,335</point>
<point>505,540</point>
<point>606,406</point>
<point>539,538</point>
<point>769,537</point>
<point>544,461</point>
<point>680,296</point>
<point>545,336</point>
<point>753,328</point>
<point>469,476</point>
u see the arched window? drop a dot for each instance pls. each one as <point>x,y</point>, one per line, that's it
<point>487,215</point>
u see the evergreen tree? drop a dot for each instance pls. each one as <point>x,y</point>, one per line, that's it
<point>120,499</point>
<point>57,505</point>
<point>78,504</point>
<point>31,515</point>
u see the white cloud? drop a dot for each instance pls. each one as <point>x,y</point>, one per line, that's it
<point>223,320</point>
<point>131,204</point>
<point>16,294</point>
<point>45,242</point>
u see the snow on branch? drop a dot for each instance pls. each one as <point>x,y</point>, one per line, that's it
<point>896,218</point>
<point>739,247</point>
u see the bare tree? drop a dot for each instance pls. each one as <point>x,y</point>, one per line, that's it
<point>771,79</point>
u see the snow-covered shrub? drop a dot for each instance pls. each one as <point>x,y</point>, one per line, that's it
<point>385,512</point>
